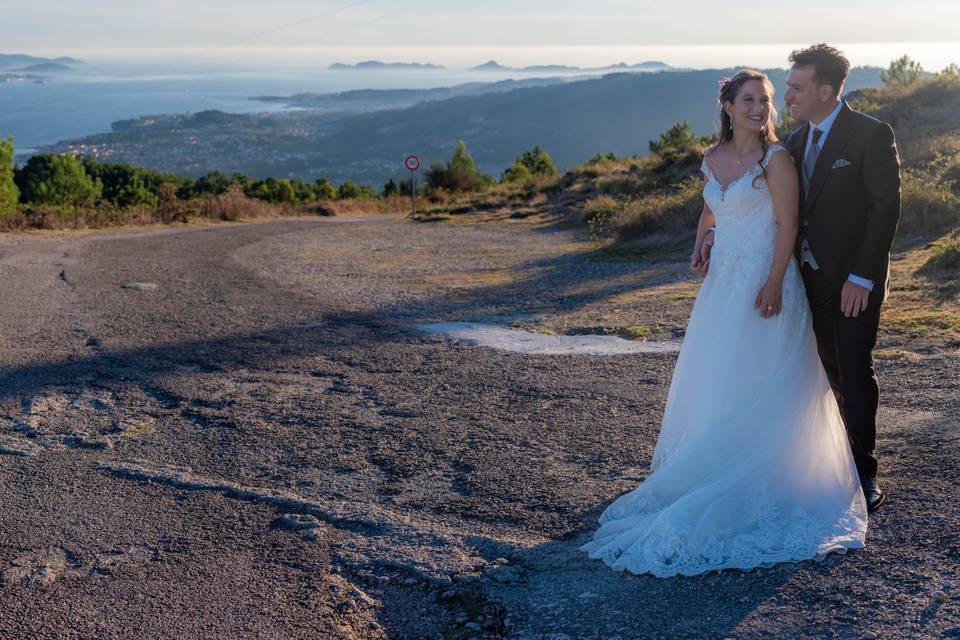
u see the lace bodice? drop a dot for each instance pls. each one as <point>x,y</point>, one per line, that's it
<point>746,229</point>
<point>743,210</point>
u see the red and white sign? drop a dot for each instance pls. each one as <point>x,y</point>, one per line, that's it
<point>411,162</point>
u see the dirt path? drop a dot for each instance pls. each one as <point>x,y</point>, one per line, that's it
<point>236,432</point>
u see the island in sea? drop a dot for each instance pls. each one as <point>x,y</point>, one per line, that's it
<point>47,67</point>
<point>23,63</point>
<point>19,67</point>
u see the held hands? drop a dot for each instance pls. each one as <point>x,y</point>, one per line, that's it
<point>700,260</point>
<point>853,299</point>
<point>769,299</point>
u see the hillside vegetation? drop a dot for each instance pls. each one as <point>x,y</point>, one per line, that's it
<point>627,199</point>
<point>645,208</point>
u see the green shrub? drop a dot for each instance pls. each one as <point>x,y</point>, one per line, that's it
<point>458,174</point>
<point>538,162</point>
<point>679,153</point>
<point>126,185</point>
<point>530,164</point>
<point>600,158</point>
<point>517,173</point>
<point>679,137</point>
<point>350,190</point>
<point>57,180</point>
<point>323,189</point>
<point>9,193</point>
<point>273,191</point>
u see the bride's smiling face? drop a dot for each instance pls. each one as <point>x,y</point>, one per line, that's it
<point>750,109</point>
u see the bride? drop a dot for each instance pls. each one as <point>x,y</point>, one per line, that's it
<point>752,466</point>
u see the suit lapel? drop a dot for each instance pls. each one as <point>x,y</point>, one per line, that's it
<point>798,144</point>
<point>836,142</point>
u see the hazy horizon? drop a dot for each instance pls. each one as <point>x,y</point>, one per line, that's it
<point>318,32</point>
<point>932,55</point>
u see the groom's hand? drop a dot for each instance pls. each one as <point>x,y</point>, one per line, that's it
<point>700,260</point>
<point>706,246</point>
<point>853,299</point>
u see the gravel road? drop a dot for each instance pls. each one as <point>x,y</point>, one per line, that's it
<point>236,431</point>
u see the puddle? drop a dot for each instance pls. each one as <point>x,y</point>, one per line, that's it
<point>520,341</point>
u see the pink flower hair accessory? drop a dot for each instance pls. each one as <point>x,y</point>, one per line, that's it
<point>723,81</point>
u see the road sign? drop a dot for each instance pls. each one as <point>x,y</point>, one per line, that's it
<point>412,163</point>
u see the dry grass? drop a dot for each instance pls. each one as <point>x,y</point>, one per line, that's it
<point>675,212</point>
<point>944,258</point>
<point>923,309</point>
<point>234,205</point>
<point>359,206</point>
<point>928,205</point>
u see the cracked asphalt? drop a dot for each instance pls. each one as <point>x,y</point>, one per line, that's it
<point>235,431</point>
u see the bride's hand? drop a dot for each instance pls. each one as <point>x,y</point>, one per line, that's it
<point>769,299</point>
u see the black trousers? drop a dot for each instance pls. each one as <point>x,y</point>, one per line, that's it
<point>846,350</point>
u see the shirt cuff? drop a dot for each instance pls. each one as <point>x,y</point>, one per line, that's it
<point>863,282</point>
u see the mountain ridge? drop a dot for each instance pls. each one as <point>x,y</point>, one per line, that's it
<point>617,112</point>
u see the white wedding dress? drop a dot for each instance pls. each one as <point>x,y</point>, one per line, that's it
<point>752,466</point>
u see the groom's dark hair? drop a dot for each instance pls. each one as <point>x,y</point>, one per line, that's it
<point>830,66</point>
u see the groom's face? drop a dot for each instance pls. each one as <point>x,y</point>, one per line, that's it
<point>807,99</point>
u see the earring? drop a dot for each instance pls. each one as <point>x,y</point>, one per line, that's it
<point>731,124</point>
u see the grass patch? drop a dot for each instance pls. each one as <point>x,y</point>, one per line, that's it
<point>944,255</point>
<point>654,248</point>
<point>929,204</point>
<point>928,323</point>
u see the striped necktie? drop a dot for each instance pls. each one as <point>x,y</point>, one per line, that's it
<point>810,160</point>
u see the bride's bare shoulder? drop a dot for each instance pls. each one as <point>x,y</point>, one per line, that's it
<point>712,149</point>
<point>780,166</point>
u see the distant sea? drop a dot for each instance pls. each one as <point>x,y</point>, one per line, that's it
<point>100,92</point>
<point>88,101</point>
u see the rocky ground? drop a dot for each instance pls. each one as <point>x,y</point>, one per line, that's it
<point>237,432</point>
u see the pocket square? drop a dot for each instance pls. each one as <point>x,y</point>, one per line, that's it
<point>840,163</point>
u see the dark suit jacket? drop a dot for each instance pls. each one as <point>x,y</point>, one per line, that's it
<point>850,214</point>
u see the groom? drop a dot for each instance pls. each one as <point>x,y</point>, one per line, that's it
<point>849,208</point>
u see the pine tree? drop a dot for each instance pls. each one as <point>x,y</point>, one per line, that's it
<point>58,180</point>
<point>902,72</point>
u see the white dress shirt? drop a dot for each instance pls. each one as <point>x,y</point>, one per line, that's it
<point>825,126</point>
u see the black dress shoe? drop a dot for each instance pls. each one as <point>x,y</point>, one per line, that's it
<point>872,493</point>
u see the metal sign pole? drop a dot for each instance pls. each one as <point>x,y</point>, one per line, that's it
<point>412,163</point>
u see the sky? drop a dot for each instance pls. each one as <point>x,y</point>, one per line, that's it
<point>454,32</point>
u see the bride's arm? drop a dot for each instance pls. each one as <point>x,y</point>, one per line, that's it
<point>697,263</point>
<point>784,187</point>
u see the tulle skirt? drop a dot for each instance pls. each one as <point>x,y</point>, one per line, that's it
<point>752,466</point>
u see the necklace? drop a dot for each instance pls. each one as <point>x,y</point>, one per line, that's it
<point>740,157</point>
